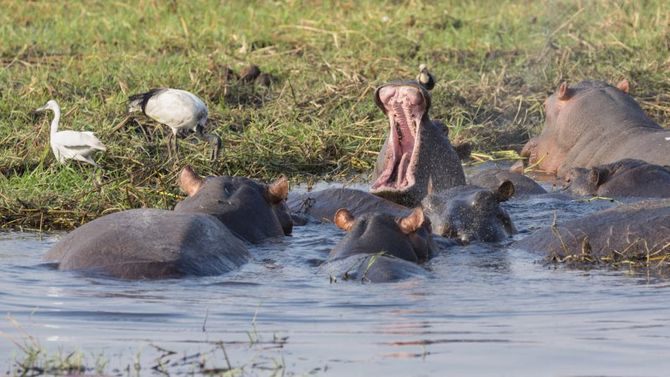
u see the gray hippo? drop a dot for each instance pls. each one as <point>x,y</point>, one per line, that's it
<point>251,210</point>
<point>492,179</point>
<point>628,177</point>
<point>380,247</point>
<point>465,213</point>
<point>632,232</point>
<point>150,244</point>
<point>470,213</point>
<point>591,124</point>
<point>416,155</point>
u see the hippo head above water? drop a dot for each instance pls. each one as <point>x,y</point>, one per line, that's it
<point>593,123</point>
<point>627,177</point>
<point>470,213</point>
<point>416,154</point>
<point>408,238</point>
<point>252,210</point>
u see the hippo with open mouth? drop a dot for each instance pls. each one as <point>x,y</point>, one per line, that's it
<point>416,154</point>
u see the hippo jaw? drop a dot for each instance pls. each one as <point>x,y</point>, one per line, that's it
<point>406,107</point>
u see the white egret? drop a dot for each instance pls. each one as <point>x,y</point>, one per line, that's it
<point>71,145</point>
<point>177,109</point>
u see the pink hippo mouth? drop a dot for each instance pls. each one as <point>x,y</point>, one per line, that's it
<point>405,106</point>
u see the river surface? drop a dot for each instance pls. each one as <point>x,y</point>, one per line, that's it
<point>485,310</point>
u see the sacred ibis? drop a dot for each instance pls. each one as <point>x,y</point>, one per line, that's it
<point>177,109</point>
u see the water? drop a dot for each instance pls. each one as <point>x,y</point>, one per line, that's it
<point>484,311</point>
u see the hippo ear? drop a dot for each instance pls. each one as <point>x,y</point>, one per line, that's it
<point>412,222</point>
<point>277,190</point>
<point>623,86</point>
<point>564,93</point>
<point>505,191</point>
<point>344,219</point>
<point>189,181</point>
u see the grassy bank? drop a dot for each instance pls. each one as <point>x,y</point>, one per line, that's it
<point>495,62</point>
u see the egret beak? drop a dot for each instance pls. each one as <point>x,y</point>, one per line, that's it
<point>39,110</point>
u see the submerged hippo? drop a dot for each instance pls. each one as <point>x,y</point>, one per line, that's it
<point>251,210</point>
<point>592,124</point>
<point>150,244</point>
<point>493,178</point>
<point>323,204</point>
<point>416,153</point>
<point>470,213</point>
<point>632,232</point>
<point>380,247</point>
<point>623,178</point>
<point>465,213</point>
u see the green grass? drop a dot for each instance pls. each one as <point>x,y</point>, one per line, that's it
<point>495,62</point>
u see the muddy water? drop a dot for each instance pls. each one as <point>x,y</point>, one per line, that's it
<point>484,311</point>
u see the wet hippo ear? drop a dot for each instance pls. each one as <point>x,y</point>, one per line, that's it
<point>189,181</point>
<point>277,190</point>
<point>412,222</point>
<point>564,93</point>
<point>344,219</point>
<point>623,86</point>
<point>505,191</point>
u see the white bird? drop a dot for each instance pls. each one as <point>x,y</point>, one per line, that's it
<point>425,78</point>
<point>71,145</point>
<point>177,109</point>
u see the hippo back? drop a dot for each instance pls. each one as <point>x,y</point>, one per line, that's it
<point>632,231</point>
<point>150,244</point>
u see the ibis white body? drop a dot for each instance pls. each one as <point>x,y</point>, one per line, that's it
<point>71,145</point>
<point>177,109</point>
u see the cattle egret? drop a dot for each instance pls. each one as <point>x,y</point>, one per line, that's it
<point>71,145</point>
<point>177,109</point>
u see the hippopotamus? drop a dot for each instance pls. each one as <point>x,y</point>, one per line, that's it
<point>628,177</point>
<point>465,213</point>
<point>417,155</point>
<point>627,232</point>
<point>470,213</point>
<point>379,247</point>
<point>251,210</point>
<point>150,244</point>
<point>323,204</point>
<point>493,178</point>
<point>591,124</point>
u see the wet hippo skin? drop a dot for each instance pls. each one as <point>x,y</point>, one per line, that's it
<point>380,247</point>
<point>416,154</point>
<point>150,244</point>
<point>253,211</point>
<point>625,178</point>
<point>493,178</point>
<point>593,123</point>
<point>470,213</point>
<point>628,231</point>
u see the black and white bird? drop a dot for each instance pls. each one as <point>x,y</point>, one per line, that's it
<point>425,78</point>
<point>71,145</point>
<point>177,109</point>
